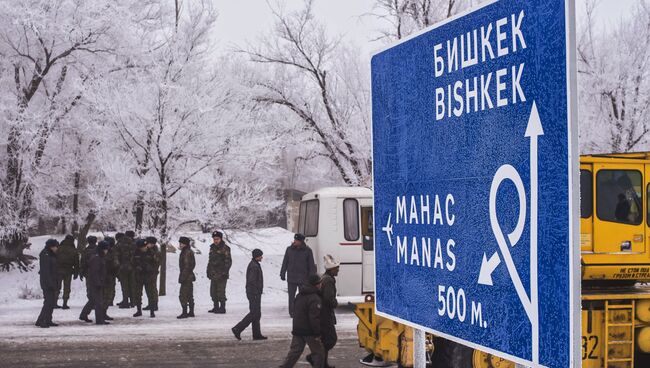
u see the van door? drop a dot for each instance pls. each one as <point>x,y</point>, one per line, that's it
<point>619,221</point>
<point>368,250</point>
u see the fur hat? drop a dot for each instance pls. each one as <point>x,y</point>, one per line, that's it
<point>92,240</point>
<point>217,234</point>
<point>151,240</point>
<point>184,240</point>
<point>140,243</point>
<point>330,262</point>
<point>130,234</point>
<point>299,237</point>
<point>257,253</point>
<point>119,236</point>
<point>103,245</point>
<point>51,243</point>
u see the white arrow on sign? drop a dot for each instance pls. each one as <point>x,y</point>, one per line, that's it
<point>487,267</point>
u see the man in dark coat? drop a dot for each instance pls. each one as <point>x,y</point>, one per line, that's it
<point>146,267</point>
<point>219,263</point>
<point>48,277</point>
<point>186,277</point>
<point>67,259</point>
<point>307,325</point>
<point>328,317</point>
<point>124,249</point>
<point>84,265</point>
<point>254,288</point>
<point>150,284</point>
<point>96,282</point>
<point>297,265</point>
<point>112,271</point>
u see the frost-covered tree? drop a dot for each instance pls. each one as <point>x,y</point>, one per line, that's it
<point>307,79</point>
<point>614,82</point>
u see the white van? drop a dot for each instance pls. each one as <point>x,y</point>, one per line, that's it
<point>339,221</point>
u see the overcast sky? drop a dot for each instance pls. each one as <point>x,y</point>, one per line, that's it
<point>242,20</point>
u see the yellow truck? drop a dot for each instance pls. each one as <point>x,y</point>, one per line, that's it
<point>615,247</point>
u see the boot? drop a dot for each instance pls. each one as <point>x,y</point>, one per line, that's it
<point>85,319</point>
<point>148,307</point>
<point>191,313</point>
<point>152,313</point>
<point>106,316</point>
<point>65,304</point>
<point>184,314</point>
<point>57,306</point>
<point>215,309</point>
<point>139,312</point>
<point>236,333</point>
<point>222,308</point>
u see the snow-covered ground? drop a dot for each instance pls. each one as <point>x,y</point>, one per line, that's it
<point>18,314</point>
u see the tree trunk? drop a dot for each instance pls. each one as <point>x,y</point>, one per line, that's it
<point>138,209</point>
<point>83,233</point>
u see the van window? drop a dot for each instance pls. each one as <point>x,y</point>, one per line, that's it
<point>367,228</point>
<point>619,196</point>
<point>308,221</point>
<point>351,219</point>
<point>586,194</point>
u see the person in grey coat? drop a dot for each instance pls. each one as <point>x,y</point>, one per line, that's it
<point>297,265</point>
<point>254,288</point>
<point>48,278</point>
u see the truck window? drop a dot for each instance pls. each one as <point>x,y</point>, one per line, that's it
<point>367,228</point>
<point>308,220</point>
<point>586,194</point>
<point>619,196</point>
<point>351,219</point>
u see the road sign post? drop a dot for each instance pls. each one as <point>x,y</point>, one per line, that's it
<point>475,180</point>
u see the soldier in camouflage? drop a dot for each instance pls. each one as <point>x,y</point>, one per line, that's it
<point>219,263</point>
<point>143,271</point>
<point>124,250</point>
<point>150,286</point>
<point>84,265</point>
<point>186,277</point>
<point>112,271</point>
<point>68,266</point>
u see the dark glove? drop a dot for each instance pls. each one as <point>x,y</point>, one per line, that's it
<point>282,277</point>
<point>76,276</point>
<point>81,278</point>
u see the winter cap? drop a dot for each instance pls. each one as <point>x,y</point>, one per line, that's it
<point>314,280</point>
<point>257,253</point>
<point>299,237</point>
<point>330,262</point>
<point>130,234</point>
<point>51,243</point>
<point>69,237</point>
<point>110,240</point>
<point>91,239</point>
<point>119,236</point>
<point>140,243</point>
<point>217,234</point>
<point>103,245</point>
<point>151,240</point>
<point>184,240</point>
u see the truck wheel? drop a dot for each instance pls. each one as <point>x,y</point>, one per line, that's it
<point>448,354</point>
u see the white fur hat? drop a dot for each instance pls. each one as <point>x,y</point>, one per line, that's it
<point>330,262</point>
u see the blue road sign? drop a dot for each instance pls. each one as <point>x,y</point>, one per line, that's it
<point>475,181</point>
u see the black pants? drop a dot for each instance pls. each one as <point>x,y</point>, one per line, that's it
<point>293,288</point>
<point>49,301</point>
<point>96,302</point>
<point>253,317</point>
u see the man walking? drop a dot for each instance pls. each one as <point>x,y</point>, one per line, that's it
<point>124,249</point>
<point>218,271</point>
<point>306,325</point>
<point>186,277</point>
<point>67,259</point>
<point>48,278</point>
<point>297,265</point>
<point>150,285</point>
<point>254,288</point>
<point>328,317</point>
<point>96,282</point>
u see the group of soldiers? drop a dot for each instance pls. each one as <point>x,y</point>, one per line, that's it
<point>135,263</point>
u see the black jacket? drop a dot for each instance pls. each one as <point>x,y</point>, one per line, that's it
<point>307,312</point>
<point>298,264</point>
<point>48,269</point>
<point>254,279</point>
<point>67,257</point>
<point>328,293</point>
<point>97,271</point>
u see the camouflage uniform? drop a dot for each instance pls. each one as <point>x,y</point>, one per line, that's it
<point>84,261</point>
<point>112,270</point>
<point>218,271</point>
<point>186,278</point>
<point>150,285</point>
<point>68,265</point>
<point>146,272</point>
<point>124,251</point>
